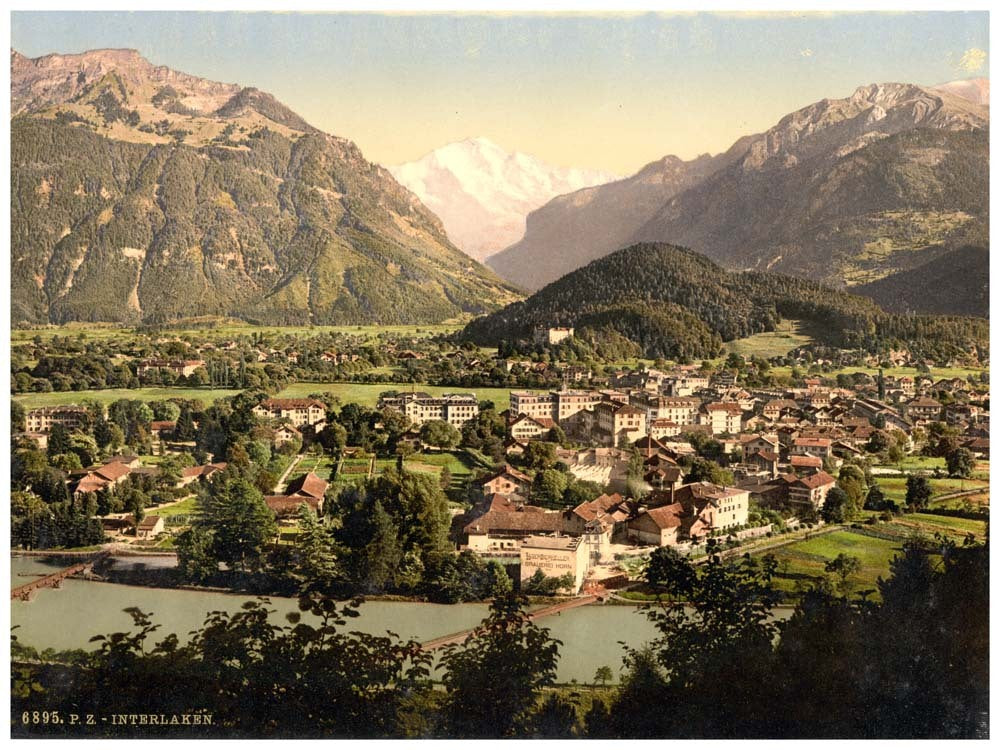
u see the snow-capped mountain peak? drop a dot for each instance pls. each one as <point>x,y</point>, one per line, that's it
<point>482,192</point>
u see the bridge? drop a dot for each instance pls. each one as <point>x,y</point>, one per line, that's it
<point>54,580</point>
<point>447,640</point>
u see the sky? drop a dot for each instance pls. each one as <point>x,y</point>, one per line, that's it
<point>610,92</point>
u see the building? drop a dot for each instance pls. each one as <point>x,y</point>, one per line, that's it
<point>811,446</point>
<point>99,478</point>
<point>677,410</point>
<point>530,428</point>
<point>689,513</point>
<point>659,526</point>
<point>923,409</point>
<point>550,336</point>
<point>507,481</point>
<point>617,423</point>
<point>286,434</point>
<point>684,384</point>
<point>202,473</point>
<point>183,367</point>
<point>724,417</point>
<point>308,485</point>
<point>149,527</point>
<point>555,556</point>
<point>71,417</point>
<point>299,411</point>
<point>811,490</point>
<point>554,405</point>
<point>506,530</point>
<point>419,407</point>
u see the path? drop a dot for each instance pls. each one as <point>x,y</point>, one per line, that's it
<point>25,591</point>
<point>281,482</point>
<point>447,640</point>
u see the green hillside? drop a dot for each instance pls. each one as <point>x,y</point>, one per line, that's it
<point>678,304</point>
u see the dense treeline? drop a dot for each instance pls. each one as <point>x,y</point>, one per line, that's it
<point>913,664</point>
<point>676,303</point>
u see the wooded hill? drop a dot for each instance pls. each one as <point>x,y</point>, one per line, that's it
<point>139,194</point>
<point>678,304</point>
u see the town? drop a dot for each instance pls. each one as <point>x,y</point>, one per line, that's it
<point>569,487</point>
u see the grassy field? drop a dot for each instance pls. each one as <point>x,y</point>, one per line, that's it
<point>229,329</point>
<point>106,396</point>
<point>895,487</point>
<point>918,463</point>
<point>802,563</point>
<point>788,335</point>
<point>365,394</point>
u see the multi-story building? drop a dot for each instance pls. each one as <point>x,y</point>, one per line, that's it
<point>454,408</point>
<point>41,420</point>
<point>554,405</point>
<point>811,490</point>
<point>678,410</point>
<point>924,408</point>
<point>549,336</point>
<point>183,367</point>
<point>299,411</point>
<point>683,385</point>
<point>724,417</point>
<point>616,423</point>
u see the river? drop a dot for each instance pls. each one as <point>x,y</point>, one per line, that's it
<point>67,617</point>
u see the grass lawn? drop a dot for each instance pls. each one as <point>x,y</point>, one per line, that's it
<point>803,562</point>
<point>895,487</point>
<point>977,500</point>
<point>107,395</point>
<point>788,335</point>
<point>946,524</point>
<point>322,465</point>
<point>183,508</point>
<point>914,463</point>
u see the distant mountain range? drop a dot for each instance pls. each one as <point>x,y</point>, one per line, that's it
<point>844,191</point>
<point>483,193</point>
<point>143,194</point>
<point>675,303</point>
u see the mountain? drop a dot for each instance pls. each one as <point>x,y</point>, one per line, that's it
<point>143,194</point>
<point>840,191</point>
<point>678,304</point>
<point>573,229</point>
<point>955,282</point>
<point>976,90</point>
<point>482,192</point>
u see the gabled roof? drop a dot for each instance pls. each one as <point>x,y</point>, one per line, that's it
<point>666,516</point>
<point>291,403</point>
<point>807,461</point>
<point>112,471</point>
<point>506,470</point>
<point>308,485</point>
<point>819,479</point>
<point>500,520</point>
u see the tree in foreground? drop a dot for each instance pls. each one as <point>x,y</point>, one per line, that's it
<point>493,679</point>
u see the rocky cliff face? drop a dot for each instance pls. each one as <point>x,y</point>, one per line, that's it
<point>141,193</point>
<point>844,191</point>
